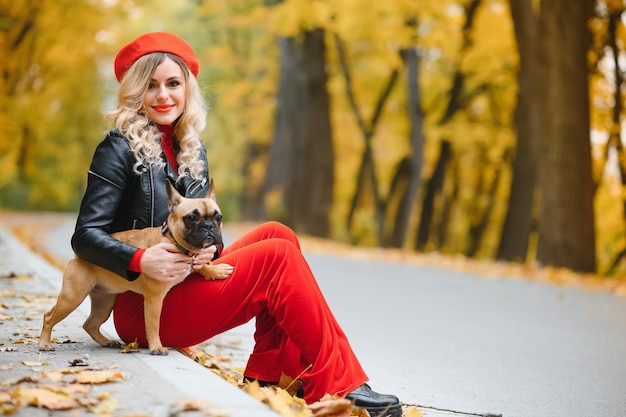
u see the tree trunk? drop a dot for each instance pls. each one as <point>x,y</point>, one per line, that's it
<point>478,227</point>
<point>518,222</point>
<point>367,168</point>
<point>301,165</point>
<point>432,188</point>
<point>416,141</point>
<point>435,183</point>
<point>253,196</point>
<point>615,138</point>
<point>312,190</point>
<point>283,162</point>
<point>566,218</point>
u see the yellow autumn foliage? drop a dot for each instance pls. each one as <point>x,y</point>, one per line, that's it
<point>58,82</point>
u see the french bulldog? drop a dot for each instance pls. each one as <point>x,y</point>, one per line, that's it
<point>192,224</point>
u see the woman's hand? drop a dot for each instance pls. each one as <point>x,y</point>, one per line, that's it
<point>204,257</point>
<point>164,262</point>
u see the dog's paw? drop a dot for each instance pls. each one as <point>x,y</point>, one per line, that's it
<point>160,351</point>
<point>218,271</point>
<point>46,347</point>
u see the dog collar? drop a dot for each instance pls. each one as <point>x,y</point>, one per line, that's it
<point>168,234</point>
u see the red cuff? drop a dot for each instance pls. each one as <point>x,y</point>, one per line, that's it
<point>135,261</point>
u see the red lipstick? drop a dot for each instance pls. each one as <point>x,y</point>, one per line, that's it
<point>163,108</point>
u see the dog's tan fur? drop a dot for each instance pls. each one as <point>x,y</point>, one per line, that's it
<point>82,278</point>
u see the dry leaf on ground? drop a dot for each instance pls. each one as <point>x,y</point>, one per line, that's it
<point>16,381</point>
<point>44,398</point>
<point>331,406</point>
<point>104,406</point>
<point>8,404</point>
<point>78,362</point>
<point>32,363</point>
<point>191,404</point>
<point>289,384</point>
<point>98,377</point>
<point>67,389</point>
<point>278,400</point>
<point>412,412</point>
<point>130,348</point>
<point>214,363</point>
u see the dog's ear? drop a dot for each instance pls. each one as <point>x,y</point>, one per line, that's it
<point>173,196</point>
<point>211,191</point>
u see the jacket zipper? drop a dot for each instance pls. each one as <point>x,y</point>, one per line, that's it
<point>192,188</point>
<point>151,197</point>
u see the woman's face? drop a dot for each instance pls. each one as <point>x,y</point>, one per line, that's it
<point>165,98</point>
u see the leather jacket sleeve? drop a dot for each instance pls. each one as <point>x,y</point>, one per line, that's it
<point>107,183</point>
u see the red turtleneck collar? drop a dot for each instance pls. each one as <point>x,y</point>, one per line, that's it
<point>167,144</point>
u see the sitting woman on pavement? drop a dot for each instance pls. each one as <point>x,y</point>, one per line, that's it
<point>159,116</point>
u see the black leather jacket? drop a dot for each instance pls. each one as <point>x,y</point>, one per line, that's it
<point>117,199</point>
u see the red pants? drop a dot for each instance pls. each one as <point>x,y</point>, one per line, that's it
<point>273,283</point>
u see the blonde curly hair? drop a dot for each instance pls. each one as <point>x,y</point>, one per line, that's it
<point>144,137</point>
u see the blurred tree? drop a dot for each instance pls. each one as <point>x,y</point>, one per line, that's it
<point>518,222</point>
<point>366,176</point>
<point>434,185</point>
<point>566,217</point>
<point>553,143</point>
<point>470,124</point>
<point>51,97</point>
<point>607,86</point>
<point>301,162</point>
<point>408,179</point>
<point>17,25</point>
<point>393,209</point>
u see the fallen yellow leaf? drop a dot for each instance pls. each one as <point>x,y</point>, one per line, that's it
<point>8,405</point>
<point>106,406</point>
<point>191,404</point>
<point>130,348</point>
<point>16,381</point>
<point>53,375</point>
<point>412,412</point>
<point>30,363</point>
<point>289,384</point>
<point>70,389</point>
<point>44,398</point>
<point>360,412</point>
<point>283,403</point>
<point>98,377</point>
<point>331,406</point>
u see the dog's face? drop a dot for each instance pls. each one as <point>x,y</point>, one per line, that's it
<point>195,223</point>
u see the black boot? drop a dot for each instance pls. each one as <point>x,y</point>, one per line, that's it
<point>378,405</point>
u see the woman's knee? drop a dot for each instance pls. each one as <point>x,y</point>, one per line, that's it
<point>281,231</point>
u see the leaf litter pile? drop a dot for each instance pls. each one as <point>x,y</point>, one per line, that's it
<point>54,389</point>
<point>60,389</point>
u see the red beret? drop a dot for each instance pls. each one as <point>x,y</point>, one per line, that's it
<point>155,42</point>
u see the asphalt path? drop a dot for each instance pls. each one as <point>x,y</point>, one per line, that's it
<point>461,342</point>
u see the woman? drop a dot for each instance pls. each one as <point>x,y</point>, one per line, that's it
<point>158,120</point>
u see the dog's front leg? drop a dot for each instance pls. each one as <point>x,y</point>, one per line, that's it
<point>216,271</point>
<point>153,304</point>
